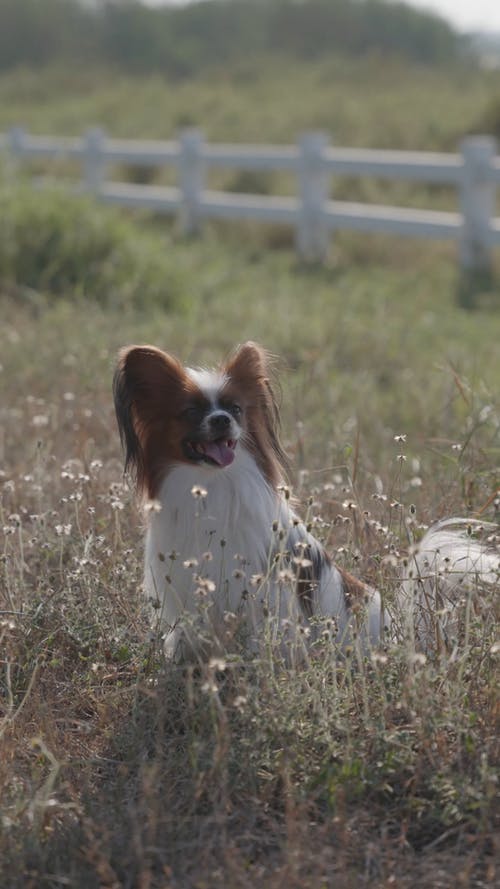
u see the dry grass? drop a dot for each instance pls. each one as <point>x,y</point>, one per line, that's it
<point>118,771</point>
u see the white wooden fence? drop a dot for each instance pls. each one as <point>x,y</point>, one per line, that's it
<point>475,172</point>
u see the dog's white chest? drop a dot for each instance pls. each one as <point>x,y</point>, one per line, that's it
<point>212,535</point>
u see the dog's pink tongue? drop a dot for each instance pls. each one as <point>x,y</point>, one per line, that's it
<point>219,452</point>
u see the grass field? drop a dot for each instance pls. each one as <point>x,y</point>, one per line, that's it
<point>270,99</point>
<point>118,772</point>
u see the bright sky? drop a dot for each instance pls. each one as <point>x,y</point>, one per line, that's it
<point>467,15</point>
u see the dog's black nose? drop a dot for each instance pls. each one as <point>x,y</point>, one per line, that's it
<point>220,422</point>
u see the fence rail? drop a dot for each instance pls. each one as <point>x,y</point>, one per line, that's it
<point>474,172</point>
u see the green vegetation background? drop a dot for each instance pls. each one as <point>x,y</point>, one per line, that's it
<point>113,773</point>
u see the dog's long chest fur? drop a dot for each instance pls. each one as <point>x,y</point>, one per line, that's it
<point>216,526</point>
<point>231,537</point>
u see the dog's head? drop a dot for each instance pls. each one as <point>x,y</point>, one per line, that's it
<point>169,414</point>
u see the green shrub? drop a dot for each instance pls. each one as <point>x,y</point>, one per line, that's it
<point>60,245</point>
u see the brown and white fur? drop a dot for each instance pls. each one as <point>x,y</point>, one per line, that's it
<point>457,563</point>
<point>223,538</point>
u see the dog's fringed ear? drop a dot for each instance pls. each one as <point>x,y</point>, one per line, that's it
<point>253,369</point>
<point>249,366</point>
<point>142,389</point>
<point>123,394</point>
<point>249,362</point>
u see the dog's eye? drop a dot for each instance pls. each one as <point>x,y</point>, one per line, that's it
<point>191,413</point>
<point>232,407</point>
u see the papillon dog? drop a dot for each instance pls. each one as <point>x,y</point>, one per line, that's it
<point>224,545</point>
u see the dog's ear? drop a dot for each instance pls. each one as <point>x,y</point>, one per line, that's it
<point>143,386</point>
<point>252,369</point>
<point>249,363</point>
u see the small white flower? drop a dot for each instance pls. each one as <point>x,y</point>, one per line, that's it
<point>205,585</point>
<point>256,579</point>
<point>198,492</point>
<point>39,421</point>
<point>286,576</point>
<point>378,657</point>
<point>239,702</point>
<point>238,574</point>
<point>419,659</point>
<point>218,664</point>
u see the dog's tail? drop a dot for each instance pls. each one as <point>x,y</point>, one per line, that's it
<point>456,563</point>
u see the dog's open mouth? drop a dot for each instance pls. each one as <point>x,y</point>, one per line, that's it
<point>216,453</point>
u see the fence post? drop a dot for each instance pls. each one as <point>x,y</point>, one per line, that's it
<point>191,179</point>
<point>313,183</point>
<point>477,202</point>
<point>94,160</point>
<point>16,139</point>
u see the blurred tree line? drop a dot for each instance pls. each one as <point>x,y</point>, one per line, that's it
<point>183,40</point>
